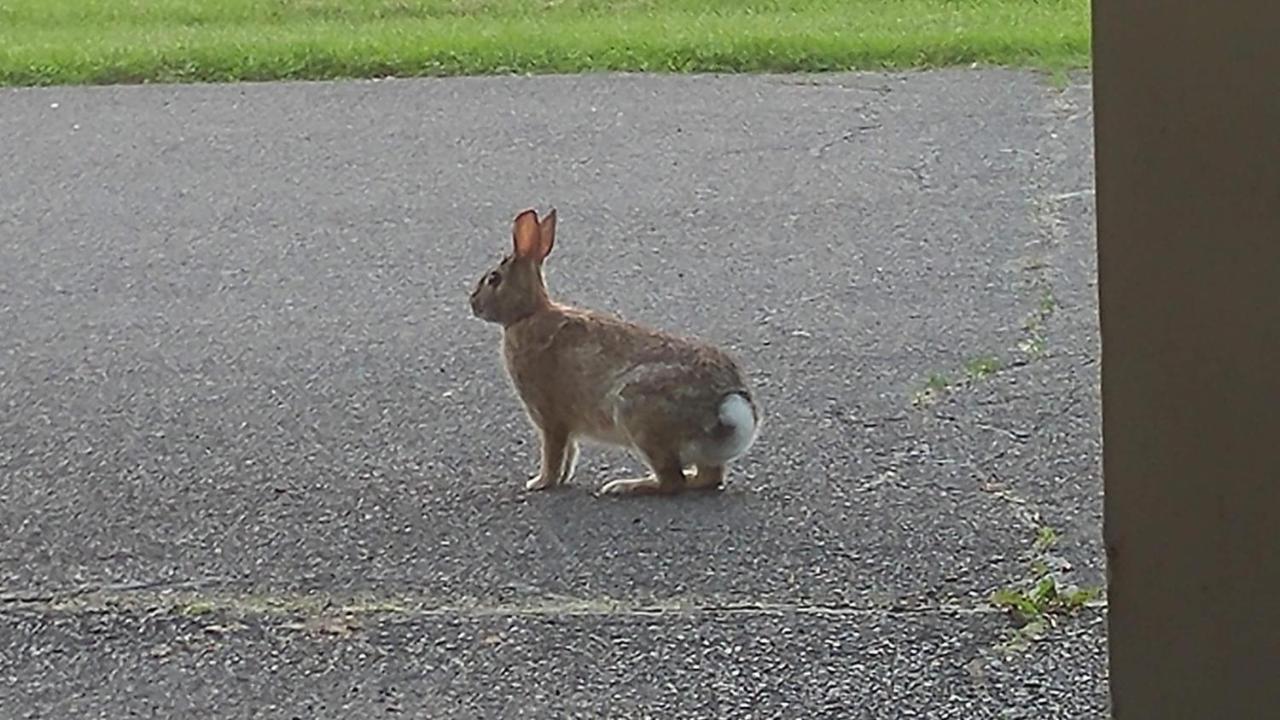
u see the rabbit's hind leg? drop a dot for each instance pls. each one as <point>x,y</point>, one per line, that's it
<point>708,477</point>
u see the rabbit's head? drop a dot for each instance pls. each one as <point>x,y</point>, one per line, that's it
<point>514,289</point>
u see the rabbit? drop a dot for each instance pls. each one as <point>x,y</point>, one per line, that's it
<point>588,376</point>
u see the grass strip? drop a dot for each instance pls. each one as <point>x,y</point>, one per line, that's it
<point>45,42</point>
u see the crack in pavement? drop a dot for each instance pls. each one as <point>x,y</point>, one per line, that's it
<point>320,605</point>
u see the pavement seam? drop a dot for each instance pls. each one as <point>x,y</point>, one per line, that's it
<point>319,605</point>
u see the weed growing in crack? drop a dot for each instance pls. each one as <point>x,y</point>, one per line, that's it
<point>1045,596</point>
<point>938,384</point>
<point>1046,538</point>
<point>934,387</point>
<point>1048,303</point>
<point>1035,343</point>
<point>981,367</point>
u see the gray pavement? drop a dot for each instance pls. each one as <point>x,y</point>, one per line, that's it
<point>257,459</point>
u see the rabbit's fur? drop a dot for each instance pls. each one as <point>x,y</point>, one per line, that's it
<point>583,375</point>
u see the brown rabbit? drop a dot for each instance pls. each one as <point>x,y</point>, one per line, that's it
<point>584,375</point>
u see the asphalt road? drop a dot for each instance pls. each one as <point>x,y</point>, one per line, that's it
<point>258,460</point>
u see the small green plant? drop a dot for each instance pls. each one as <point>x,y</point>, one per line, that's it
<point>1035,343</point>
<point>1046,538</point>
<point>981,367</point>
<point>1048,303</point>
<point>1043,598</point>
<point>933,388</point>
<point>1037,602</point>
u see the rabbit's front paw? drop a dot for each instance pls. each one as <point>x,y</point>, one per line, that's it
<point>537,482</point>
<point>638,486</point>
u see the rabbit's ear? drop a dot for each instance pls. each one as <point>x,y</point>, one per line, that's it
<point>528,236</point>
<point>548,232</point>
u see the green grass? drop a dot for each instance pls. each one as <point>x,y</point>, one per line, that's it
<point>124,41</point>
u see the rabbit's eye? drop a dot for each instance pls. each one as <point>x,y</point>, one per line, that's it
<point>493,279</point>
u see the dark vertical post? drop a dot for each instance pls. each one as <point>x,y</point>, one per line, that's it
<point>1187,111</point>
